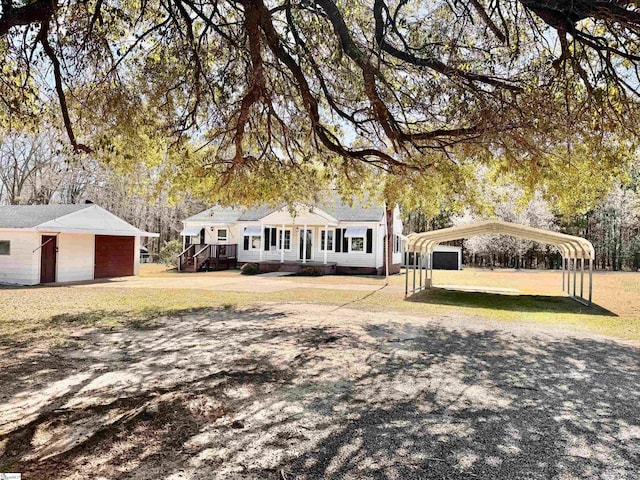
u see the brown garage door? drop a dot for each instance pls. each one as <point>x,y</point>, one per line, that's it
<point>114,256</point>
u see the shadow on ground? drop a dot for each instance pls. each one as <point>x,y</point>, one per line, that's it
<point>515,303</point>
<point>295,392</point>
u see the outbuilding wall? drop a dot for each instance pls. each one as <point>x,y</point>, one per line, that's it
<point>75,257</point>
<point>22,265</point>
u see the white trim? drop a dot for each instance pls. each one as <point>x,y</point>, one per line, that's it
<point>253,230</point>
<point>364,244</point>
<point>360,231</point>
<point>226,235</point>
<point>280,244</point>
<point>191,231</point>
<point>333,239</point>
<point>251,247</point>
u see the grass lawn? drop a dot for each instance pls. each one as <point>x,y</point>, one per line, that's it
<point>51,313</point>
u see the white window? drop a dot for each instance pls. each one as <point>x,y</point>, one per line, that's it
<point>287,240</point>
<point>222,235</point>
<point>5,247</point>
<point>329,236</point>
<point>253,237</point>
<point>255,242</point>
<point>356,244</point>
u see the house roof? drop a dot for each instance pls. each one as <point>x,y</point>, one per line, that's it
<point>84,219</point>
<point>359,211</point>
<point>28,216</point>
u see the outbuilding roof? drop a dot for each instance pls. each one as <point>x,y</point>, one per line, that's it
<point>84,218</point>
<point>570,246</point>
<point>28,216</point>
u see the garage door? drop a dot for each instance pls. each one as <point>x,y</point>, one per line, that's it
<point>445,260</point>
<point>114,256</point>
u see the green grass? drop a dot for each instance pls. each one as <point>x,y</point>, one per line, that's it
<point>52,314</point>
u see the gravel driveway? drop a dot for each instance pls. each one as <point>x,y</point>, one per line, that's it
<point>311,392</point>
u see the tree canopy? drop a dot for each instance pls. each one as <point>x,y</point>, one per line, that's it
<point>265,98</point>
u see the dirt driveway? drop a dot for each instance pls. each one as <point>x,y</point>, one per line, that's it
<point>311,392</point>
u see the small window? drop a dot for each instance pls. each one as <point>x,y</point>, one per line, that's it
<point>5,247</point>
<point>357,244</point>
<point>329,236</point>
<point>222,235</point>
<point>287,240</point>
<point>254,242</point>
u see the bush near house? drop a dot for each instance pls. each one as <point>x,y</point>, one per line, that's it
<point>169,253</point>
<point>250,269</point>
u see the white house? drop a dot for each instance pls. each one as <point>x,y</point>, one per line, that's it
<point>333,237</point>
<point>65,243</point>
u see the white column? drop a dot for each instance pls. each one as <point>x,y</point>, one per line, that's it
<point>304,244</point>
<point>326,236</point>
<point>261,241</point>
<point>282,244</point>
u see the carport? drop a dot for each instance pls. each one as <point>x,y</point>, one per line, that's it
<point>574,250</point>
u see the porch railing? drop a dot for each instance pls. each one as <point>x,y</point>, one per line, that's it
<point>197,255</point>
<point>184,256</point>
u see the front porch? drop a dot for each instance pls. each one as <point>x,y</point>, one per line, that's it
<point>310,267</point>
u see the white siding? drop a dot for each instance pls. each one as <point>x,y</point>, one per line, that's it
<point>22,266</point>
<point>347,259</point>
<point>75,260</point>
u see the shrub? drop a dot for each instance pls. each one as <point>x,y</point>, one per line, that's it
<point>169,253</point>
<point>250,269</point>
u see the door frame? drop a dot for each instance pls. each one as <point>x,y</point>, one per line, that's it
<point>45,239</point>
<point>309,244</point>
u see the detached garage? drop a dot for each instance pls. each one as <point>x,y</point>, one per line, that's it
<point>65,243</point>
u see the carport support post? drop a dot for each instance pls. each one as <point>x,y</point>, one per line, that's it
<point>431,269</point>
<point>415,256</point>
<point>590,278</point>
<point>582,277</point>
<point>421,270</point>
<point>575,273</point>
<point>406,273</point>
<point>563,259</point>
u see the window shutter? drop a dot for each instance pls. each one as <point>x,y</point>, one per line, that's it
<point>267,236</point>
<point>246,242</point>
<point>345,241</point>
<point>274,237</point>
<point>338,240</point>
<point>369,240</point>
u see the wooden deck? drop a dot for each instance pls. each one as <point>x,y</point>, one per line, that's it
<point>198,258</point>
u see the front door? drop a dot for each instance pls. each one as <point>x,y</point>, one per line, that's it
<point>305,253</point>
<point>48,254</point>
